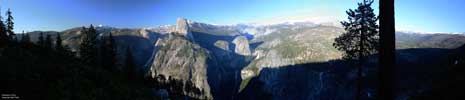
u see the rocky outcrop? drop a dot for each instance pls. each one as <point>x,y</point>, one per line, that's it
<point>223,50</point>
<point>242,45</point>
<point>222,45</point>
<point>182,28</point>
<point>148,35</point>
<point>181,59</point>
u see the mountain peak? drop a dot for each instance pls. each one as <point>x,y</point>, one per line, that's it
<point>182,28</point>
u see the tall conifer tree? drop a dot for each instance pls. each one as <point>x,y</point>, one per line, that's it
<point>25,38</point>
<point>41,41</point>
<point>3,33</point>
<point>58,44</point>
<point>48,42</point>
<point>88,50</point>
<point>360,39</point>
<point>108,52</point>
<point>10,25</point>
<point>387,55</point>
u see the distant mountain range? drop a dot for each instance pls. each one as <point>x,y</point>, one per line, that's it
<point>223,60</point>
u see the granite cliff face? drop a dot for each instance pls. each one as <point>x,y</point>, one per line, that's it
<point>182,28</point>
<point>293,45</point>
<point>207,56</point>
<point>242,45</point>
<point>222,45</point>
<point>181,59</point>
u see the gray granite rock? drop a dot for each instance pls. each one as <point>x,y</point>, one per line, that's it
<point>242,45</point>
<point>181,59</point>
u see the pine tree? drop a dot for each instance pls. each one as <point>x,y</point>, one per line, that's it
<point>88,50</point>
<point>58,44</point>
<point>41,41</point>
<point>25,38</point>
<point>387,56</point>
<point>108,52</point>
<point>10,25</point>
<point>361,37</point>
<point>83,47</point>
<point>48,42</point>
<point>3,33</point>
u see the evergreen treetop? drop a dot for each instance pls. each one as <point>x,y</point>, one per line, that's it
<point>10,25</point>
<point>3,33</point>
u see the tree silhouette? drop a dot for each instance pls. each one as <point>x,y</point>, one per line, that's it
<point>108,52</point>
<point>26,41</point>
<point>387,51</point>
<point>41,41</point>
<point>25,38</point>
<point>58,44</point>
<point>10,25</point>
<point>63,50</point>
<point>35,72</point>
<point>360,39</point>
<point>3,33</point>
<point>48,42</point>
<point>88,49</point>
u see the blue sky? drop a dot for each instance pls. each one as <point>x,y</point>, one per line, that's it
<point>431,15</point>
<point>30,15</point>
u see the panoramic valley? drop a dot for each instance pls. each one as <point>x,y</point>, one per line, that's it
<point>190,59</point>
